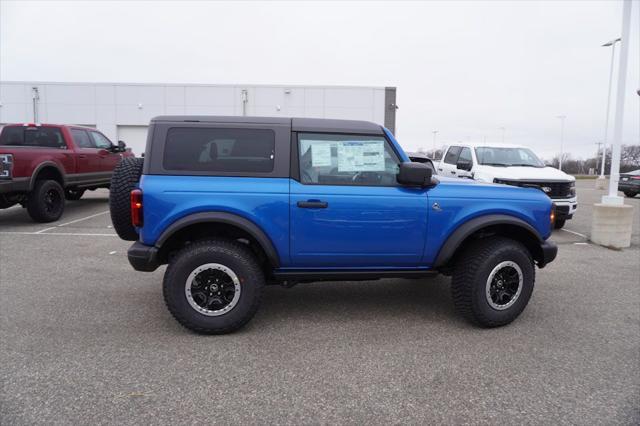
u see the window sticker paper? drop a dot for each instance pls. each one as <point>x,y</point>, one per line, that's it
<point>361,156</point>
<point>320,155</point>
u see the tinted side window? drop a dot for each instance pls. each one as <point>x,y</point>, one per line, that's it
<point>332,159</point>
<point>12,136</point>
<point>465,155</point>
<point>219,150</point>
<point>45,137</point>
<point>100,141</point>
<point>81,138</point>
<point>452,155</point>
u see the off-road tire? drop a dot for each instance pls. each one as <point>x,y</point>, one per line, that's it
<point>46,202</point>
<point>469,281</point>
<point>73,194</point>
<point>559,224</point>
<point>125,178</point>
<point>232,254</point>
<point>630,194</point>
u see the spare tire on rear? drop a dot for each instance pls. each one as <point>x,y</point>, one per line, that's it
<point>125,178</point>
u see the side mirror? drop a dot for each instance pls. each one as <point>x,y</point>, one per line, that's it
<point>414,174</point>
<point>122,146</point>
<point>464,165</point>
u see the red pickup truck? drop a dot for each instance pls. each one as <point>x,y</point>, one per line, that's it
<point>41,165</point>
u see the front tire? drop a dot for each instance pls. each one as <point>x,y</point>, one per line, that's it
<point>213,286</point>
<point>630,194</point>
<point>559,224</point>
<point>46,202</point>
<point>493,281</point>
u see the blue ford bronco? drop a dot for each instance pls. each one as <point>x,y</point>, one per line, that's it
<point>234,203</point>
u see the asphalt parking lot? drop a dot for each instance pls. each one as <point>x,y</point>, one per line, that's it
<point>87,340</point>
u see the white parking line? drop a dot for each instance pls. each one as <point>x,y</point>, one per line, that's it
<point>81,234</point>
<point>44,230</point>
<point>575,233</point>
<point>84,218</point>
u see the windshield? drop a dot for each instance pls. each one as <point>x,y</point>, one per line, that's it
<point>498,156</point>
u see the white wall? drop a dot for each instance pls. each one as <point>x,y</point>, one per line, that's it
<point>108,106</point>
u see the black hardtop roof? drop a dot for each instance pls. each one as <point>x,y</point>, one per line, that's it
<point>297,124</point>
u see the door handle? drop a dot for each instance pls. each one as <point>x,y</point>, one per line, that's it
<point>82,156</point>
<point>439,169</point>
<point>313,204</point>
<point>452,172</point>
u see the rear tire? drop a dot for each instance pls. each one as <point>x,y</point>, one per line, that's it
<point>196,276</point>
<point>493,281</point>
<point>125,178</point>
<point>559,223</point>
<point>46,202</point>
<point>630,194</point>
<point>73,194</point>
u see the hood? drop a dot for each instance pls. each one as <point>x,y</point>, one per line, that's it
<point>524,173</point>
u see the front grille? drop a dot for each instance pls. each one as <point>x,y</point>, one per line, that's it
<point>552,189</point>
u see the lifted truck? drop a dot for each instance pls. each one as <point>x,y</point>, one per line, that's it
<point>41,165</point>
<point>234,203</point>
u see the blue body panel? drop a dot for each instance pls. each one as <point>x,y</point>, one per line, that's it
<point>363,226</point>
<point>383,227</point>
<point>264,201</point>
<point>461,200</point>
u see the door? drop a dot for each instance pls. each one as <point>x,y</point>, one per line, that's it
<point>448,167</point>
<point>87,158</point>
<point>108,159</point>
<point>346,208</point>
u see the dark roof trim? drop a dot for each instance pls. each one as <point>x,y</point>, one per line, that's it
<point>338,126</point>
<point>297,124</point>
<point>221,119</point>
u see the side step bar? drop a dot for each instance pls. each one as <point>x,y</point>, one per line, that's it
<point>349,275</point>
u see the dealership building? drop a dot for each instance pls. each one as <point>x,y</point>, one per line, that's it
<point>122,111</point>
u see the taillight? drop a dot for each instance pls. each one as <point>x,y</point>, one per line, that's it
<point>635,177</point>
<point>6,166</point>
<point>136,207</point>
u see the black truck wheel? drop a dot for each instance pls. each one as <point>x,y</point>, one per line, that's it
<point>73,194</point>
<point>213,286</point>
<point>492,281</point>
<point>46,202</point>
<point>559,224</point>
<point>630,194</point>
<point>125,178</point>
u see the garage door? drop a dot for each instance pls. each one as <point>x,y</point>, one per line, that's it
<point>134,136</point>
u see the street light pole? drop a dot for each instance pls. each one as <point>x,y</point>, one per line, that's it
<point>561,117</point>
<point>611,43</point>
<point>435,132</point>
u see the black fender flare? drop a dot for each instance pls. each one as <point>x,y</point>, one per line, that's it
<point>227,218</point>
<point>467,228</point>
<point>32,180</point>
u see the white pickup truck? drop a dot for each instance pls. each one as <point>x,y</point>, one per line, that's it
<point>511,165</point>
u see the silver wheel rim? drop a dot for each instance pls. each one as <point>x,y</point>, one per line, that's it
<point>214,290</point>
<point>501,291</point>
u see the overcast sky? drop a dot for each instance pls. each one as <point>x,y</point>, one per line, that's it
<point>462,68</point>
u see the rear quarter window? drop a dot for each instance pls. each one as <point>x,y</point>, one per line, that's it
<point>219,150</point>
<point>43,137</point>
